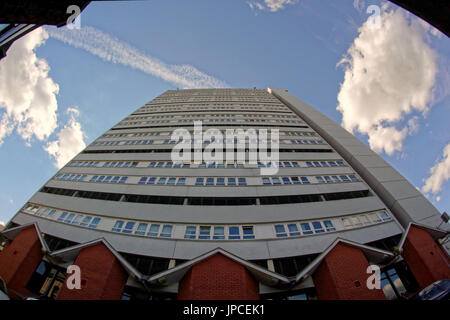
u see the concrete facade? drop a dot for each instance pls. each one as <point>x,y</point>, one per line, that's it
<point>329,186</point>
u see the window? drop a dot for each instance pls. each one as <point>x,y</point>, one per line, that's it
<point>166,231</point>
<point>199,182</point>
<point>295,180</point>
<point>384,216</point>
<point>220,181</point>
<point>123,179</point>
<point>209,181</point>
<point>305,180</point>
<point>353,178</point>
<point>118,226</point>
<point>181,181</point>
<point>171,181</point>
<point>233,233</point>
<point>286,180</point>
<point>266,181</point>
<point>280,231</point>
<point>231,182</point>
<point>162,180</point>
<point>151,180</point>
<point>204,232</point>
<point>345,178</point>
<point>318,227</point>
<point>242,181</point>
<point>329,226</point>
<point>142,227</point>
<point>62,216</point>
<point>219,233</point>
<point>190,232</point>
<point>320,179</point>
<point>248,232</point>
<point>293,230</point>
<point>94,223</point>
<point>142,180</point>
<point>306,228</point>
<point>128,227</point>
<point>154,230</point>
<point>276,180</point>
<point>346,222</point>
<point>69,218</point>
<point>86,221</point>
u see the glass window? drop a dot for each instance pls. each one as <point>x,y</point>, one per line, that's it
<point>220,181</point>
<point>69,218</point>
<point>346,222</point>
<point>320,179</point>
<point>309,164</point>
<point>199,182</point>
<point>305,180</point>
<point>286,180</point>
<point>318,227</point>
<point>280,231</point>
<point>324,164</point>
<point>306,228</point>
<point>118,226</point>
<point>242,181</point>
<point>345,178</point>
<point>166,231</point>
<point>293,230</point>
<point>233,233</point>
<point>154,230</point>
<point>266,181</point>
<point>204,232</point>
<point>384,216</point>
<point>123,179</point>
<point>128,227</point>
<point>151,180</point>
<point>171,181</point>
<point>181,181</point>
<point>328,179</point>
<point>355,221</point>
<point>353,177</point>
<point>94,223</point>
<point>142,227</point>
<point>86,221</point>
<point>162,180</point>
<point>190,232</point>
<point>210,181</point>
<point>332,163</point>
<point>62,216</point>
<point>276,180</point>
<point>248,232</point>
<point>142,180</point>
<point>329,225</point>
<point>231,181</point>
<point>219,233</point>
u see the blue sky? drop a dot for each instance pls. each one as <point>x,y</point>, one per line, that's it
<point>295,45</point>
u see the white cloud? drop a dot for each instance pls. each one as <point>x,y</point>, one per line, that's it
<point>389,73</point>
<point>2,223</point>
<point>27,93</point>
<point>70,141</point>
<point>439,173</point>
<point>111,49</point>
<point>271,5</point>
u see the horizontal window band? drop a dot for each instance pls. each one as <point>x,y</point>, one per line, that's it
<point>208,201</point>
<point>213,125</point>
<point>193,150</point>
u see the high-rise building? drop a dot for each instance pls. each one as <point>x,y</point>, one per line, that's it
<point>141,225</point>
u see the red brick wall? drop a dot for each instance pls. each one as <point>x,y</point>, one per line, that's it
<point>19,260</point>
<point>102,276</point>
<point>342,276</point>
<point>218,278</point>
<point>427,261</point>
